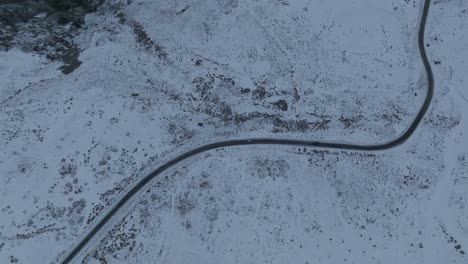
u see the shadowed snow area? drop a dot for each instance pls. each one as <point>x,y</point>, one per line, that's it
<point>156,78</point>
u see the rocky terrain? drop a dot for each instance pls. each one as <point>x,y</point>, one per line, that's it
<point>45,27</point>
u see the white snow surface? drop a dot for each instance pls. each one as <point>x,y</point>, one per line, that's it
<point>160,77</point>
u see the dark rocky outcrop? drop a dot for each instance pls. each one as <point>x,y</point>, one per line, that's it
<point>45,27</point>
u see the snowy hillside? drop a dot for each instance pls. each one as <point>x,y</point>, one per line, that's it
<point>131,84</point>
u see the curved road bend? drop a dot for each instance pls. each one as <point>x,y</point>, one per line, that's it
<point>269,141</point>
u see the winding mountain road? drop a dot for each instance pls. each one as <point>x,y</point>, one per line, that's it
<point>271,141</point>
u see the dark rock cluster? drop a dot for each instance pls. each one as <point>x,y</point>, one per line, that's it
<point>45,27</point>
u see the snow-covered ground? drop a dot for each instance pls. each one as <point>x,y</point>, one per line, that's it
<point>159,77</point>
